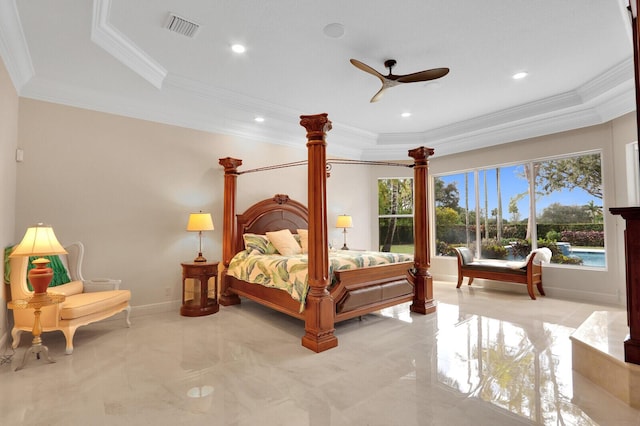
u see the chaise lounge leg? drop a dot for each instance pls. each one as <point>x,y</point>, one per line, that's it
<point>460,278</point>
<point>539,285</point>
<point>470,280</point>
<point>128,314</point>
<point>16,333</point>
<point>68,335</point>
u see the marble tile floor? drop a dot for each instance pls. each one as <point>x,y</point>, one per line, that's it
<point>485,358</point>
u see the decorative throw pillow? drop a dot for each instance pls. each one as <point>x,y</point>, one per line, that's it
<point>60,273</point>
<point>258,244</point>
<point>284,242</point>
<point>304,239</point>
<point>7,265</point>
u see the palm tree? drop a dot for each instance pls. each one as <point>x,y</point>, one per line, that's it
<point>595,211</point>
<point>499,219</point>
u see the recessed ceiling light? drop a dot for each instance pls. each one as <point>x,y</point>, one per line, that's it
<point>335,30</point>
<point>406,114</point>
<point>259,119</point>
<point>519,75</point>
<point>238,48</point>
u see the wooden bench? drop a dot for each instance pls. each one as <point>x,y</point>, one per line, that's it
<point>530,274</point>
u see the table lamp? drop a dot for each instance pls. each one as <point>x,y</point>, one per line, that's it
<point>200,222</point>
<point>344,221</point>
<point>39,240</point>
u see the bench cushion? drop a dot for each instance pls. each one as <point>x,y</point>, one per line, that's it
<point>79,305</point>
<point>494,267</point>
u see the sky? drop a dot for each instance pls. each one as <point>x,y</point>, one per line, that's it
<point>513,182</point>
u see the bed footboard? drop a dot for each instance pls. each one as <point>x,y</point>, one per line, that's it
<point>361,291</point>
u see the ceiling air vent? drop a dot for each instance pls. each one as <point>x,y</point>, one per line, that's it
<point>180,25</point>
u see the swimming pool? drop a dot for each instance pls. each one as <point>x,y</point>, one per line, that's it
<point>590,257</point>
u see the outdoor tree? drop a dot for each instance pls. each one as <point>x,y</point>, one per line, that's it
<point>513,210</point>
<point>446,217</point>
<point>595,211</point>
<point>584,172</point>
<point>446,195</point>
<point>581,172</point>
<point>558,213</point>
<point>395,197</point>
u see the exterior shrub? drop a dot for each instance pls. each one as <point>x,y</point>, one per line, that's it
<point>583,238</point>
<point>554,236</point>
<point>492,249</point>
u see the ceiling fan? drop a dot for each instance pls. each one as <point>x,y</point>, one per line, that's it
<point>391,80</point>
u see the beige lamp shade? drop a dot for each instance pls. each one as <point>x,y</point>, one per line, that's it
<point>200,222</point>
<point>344,221</point>
<point>39,240</point>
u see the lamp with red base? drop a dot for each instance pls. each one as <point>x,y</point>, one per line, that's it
<point>39,240</point>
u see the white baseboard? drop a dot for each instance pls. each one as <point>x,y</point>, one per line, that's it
<point>155,308</point>
<point>150,309</point>
<point>555,292</point>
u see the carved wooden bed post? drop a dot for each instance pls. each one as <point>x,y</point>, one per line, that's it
<point>229,224</point>
<point>420,277</point>
<point>319,310</point>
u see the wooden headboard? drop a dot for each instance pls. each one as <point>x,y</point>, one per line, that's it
<point>272,214</point>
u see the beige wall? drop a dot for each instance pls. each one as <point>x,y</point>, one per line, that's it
<point>125,187</point>
<point>609,139</point>
<point>8,143</point>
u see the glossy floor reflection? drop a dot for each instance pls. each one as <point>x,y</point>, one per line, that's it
<point>485,358</point>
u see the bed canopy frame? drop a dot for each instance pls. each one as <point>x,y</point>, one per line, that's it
<point>320,310</point>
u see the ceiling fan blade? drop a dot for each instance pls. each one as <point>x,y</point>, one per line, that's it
<point>366,68</point>
<point>378,95</point>
<point>426,75</point>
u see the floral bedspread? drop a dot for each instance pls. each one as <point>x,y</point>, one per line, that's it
<point>290,273</point>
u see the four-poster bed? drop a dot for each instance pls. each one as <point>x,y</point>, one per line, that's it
<point>356,291</point>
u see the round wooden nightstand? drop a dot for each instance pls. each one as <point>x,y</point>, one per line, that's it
<point>201,296</point>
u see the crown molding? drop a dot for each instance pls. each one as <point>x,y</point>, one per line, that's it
<point>603,98</point>
<point>13,46</point>
<point>233,115</point>
<point>282,129</point>
<point>510,132</point>
<point>619,75</point>
<point>121,47</point>
<point>278,119</point>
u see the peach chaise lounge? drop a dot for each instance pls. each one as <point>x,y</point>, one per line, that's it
<point>86,301</point>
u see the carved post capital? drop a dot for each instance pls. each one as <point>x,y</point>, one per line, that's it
<point>230,164</point>
<point>317,125</point>
<point>421,154</point>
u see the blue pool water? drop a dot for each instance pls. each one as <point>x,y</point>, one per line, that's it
<point>590,257</point>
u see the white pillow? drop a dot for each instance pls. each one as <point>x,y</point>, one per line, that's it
<point>304,239</point>
<point>284,242</point>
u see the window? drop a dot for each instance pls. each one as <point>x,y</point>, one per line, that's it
<point>455,211</point>
<point>492,211</point>
<point>395,214</point>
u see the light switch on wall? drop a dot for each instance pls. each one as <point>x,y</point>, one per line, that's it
<point>19,155</point>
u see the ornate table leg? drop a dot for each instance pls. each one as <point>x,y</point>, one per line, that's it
<point>36,344</point>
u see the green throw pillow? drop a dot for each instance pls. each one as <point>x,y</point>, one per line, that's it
<point>7,265</point>
<point>60,274</point>
<point>258,244</point>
